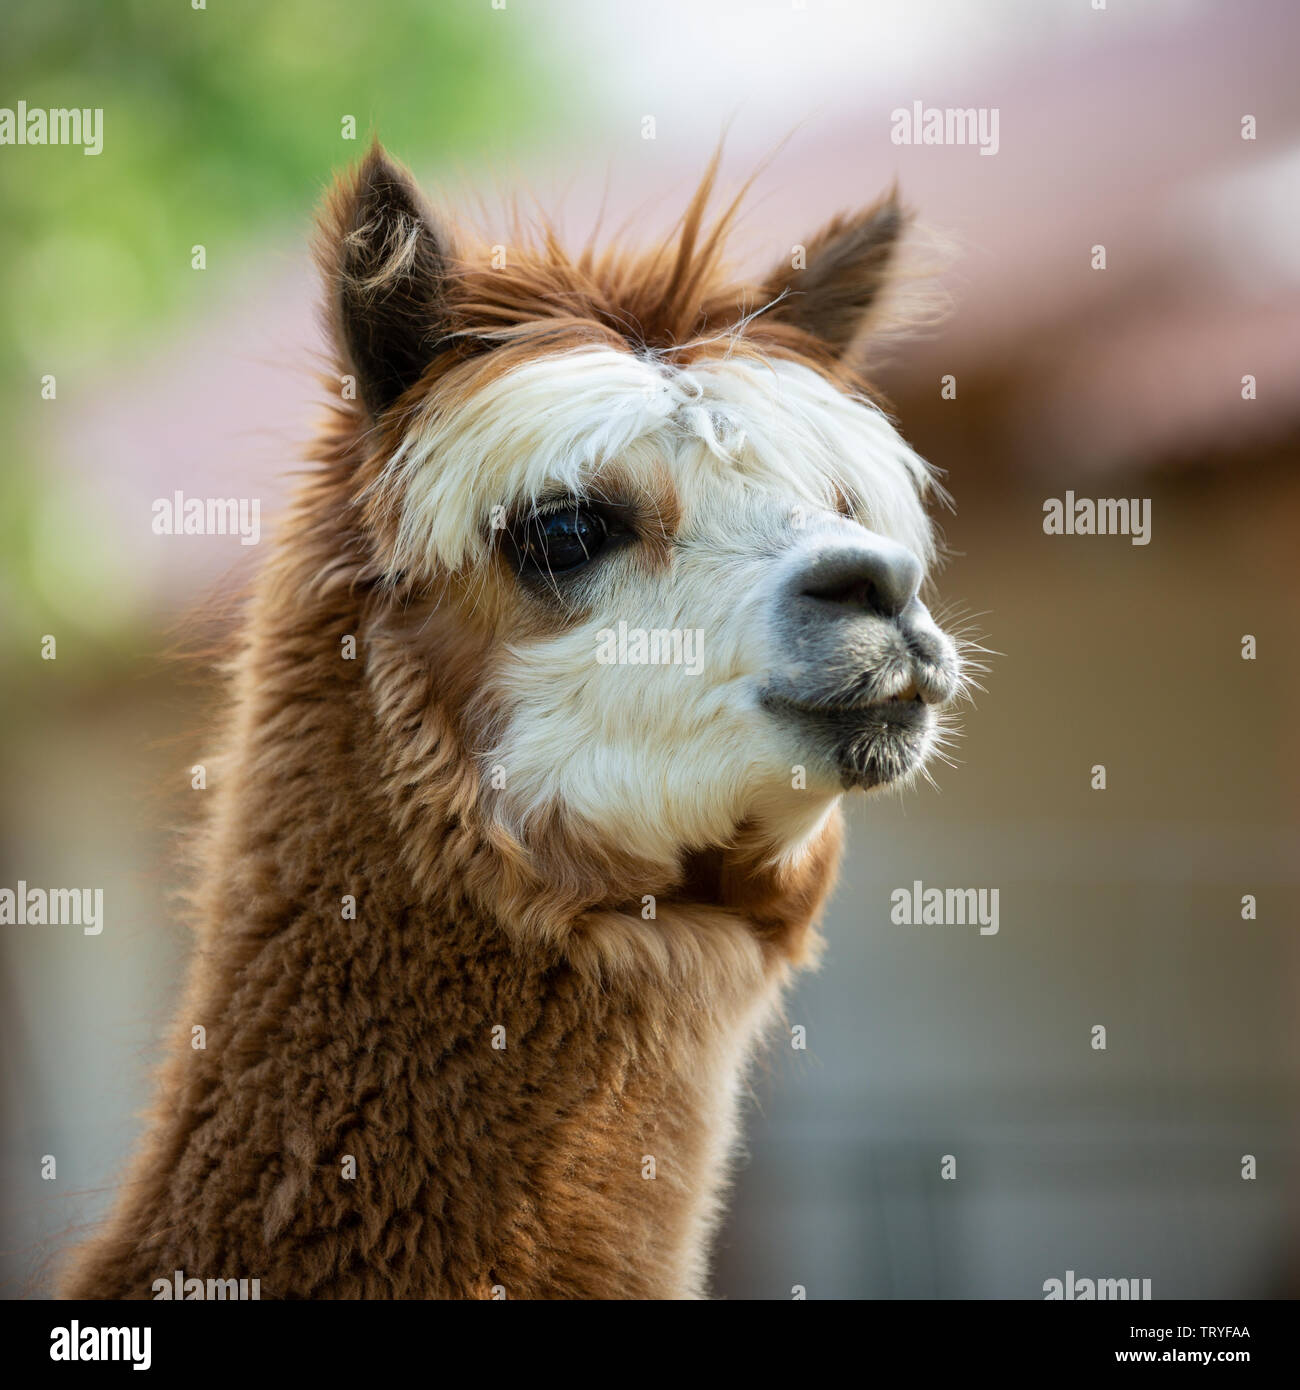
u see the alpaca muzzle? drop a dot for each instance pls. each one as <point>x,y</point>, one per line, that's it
<point>861,668</point>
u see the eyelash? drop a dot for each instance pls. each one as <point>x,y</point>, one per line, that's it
<point>527,537</point>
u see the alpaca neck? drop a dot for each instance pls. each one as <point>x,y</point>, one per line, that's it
<point>424,1074</point>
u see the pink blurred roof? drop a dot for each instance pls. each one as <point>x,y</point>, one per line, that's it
<point>1126,133</point>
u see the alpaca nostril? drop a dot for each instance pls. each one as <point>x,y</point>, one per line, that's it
<point>861,593</point>
<point>881,578</point>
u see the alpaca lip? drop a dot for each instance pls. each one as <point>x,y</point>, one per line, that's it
<point>870,744</point>
<point>905,707</point>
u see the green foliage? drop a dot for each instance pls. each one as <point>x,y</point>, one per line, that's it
<point>221,127</point>
<point>216,121</point>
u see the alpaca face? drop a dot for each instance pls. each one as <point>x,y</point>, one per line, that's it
<point>698,565</point>
<point>714,573</point>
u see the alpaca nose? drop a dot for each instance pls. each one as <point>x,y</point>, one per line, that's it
<point>877,577</point>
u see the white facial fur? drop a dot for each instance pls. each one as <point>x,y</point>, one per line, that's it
<point>650,756</point>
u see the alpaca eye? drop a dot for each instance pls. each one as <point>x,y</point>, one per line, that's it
<point>563,539</point>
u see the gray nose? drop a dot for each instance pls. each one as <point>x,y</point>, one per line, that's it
<point>878,576</point>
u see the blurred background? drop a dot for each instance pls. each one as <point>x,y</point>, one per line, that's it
<point>1120,127</point>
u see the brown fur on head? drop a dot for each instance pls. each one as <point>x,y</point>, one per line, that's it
<point>471,377</point>
<point>404,286</point>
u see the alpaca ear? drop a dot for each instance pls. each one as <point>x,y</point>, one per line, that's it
<point>845,268</point>
<point>385,266</point>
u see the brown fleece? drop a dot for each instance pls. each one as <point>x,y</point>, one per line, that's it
<point>499,1079</point>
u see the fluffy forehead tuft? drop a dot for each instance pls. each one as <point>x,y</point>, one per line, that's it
<point>554,425</point>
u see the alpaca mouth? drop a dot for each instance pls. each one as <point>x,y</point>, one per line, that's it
<point>871,743</point>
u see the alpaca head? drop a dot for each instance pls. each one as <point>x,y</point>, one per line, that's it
<point>641,523</point>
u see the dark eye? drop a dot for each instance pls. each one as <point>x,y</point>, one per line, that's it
<point>561,539</point>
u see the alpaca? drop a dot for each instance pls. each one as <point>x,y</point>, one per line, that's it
<point>496,894</point>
